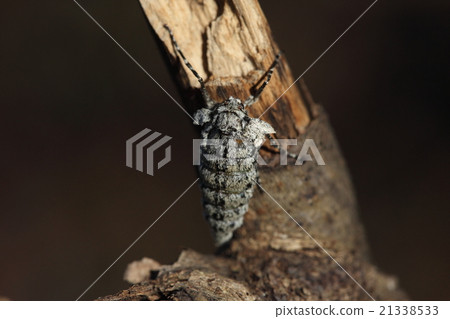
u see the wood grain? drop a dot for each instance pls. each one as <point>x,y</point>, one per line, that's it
<point>231,46</point>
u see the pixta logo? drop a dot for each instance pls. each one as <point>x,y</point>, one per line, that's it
<point>141,150</point>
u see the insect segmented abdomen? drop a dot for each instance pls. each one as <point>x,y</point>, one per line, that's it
<point>227,186</point>
<point>228,165</point>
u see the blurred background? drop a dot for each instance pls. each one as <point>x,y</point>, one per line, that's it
<point>70,98</point>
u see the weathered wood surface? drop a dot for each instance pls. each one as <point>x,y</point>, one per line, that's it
<point>271,257</point>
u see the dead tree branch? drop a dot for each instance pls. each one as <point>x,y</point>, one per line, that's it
<point>229,43</point>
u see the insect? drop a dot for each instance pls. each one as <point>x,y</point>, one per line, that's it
<point>228,165</point>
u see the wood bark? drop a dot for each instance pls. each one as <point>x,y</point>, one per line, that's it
<point>272,257</point>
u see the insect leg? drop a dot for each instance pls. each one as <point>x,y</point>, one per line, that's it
<point>208,100</point>
<point>276,144</point>
<point>253,98</point>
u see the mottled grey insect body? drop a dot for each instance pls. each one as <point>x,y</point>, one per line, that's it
<point>228,167</point>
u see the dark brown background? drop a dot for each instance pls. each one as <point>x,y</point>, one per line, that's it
<point>70,98</point>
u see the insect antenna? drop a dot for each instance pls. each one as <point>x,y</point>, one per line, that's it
<point>253,98</point>
<point>207,98</point>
